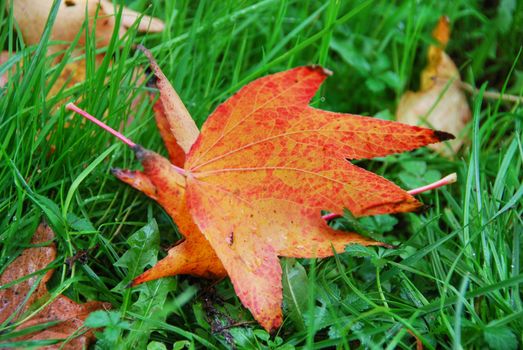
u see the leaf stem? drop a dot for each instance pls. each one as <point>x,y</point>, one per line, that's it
<point>330,216</point>
<point>72,107</point>
<point>492,95</point>
<point>447,180</point>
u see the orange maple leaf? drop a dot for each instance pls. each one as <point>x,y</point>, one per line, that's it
<point>256,179</point>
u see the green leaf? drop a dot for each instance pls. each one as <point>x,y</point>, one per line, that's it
<point>414,167</point>
<point>379,223</point>
<point>154,345</point>
<point>375,85</point>
<point>79,224</point>
<point>359,251</point>
<point>112,324</point>
<point>295,292</point>
<point>182,344</point>
<point>378,262</point>
<point>505,15</point>
<point>500,338</point>
<point>102,318</point>
<point>391,79</point>
<point>151,306</point>
<point>351,55</point>
<point>144,245</point>
<point>261,334</point>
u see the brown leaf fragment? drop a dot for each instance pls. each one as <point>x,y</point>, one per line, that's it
<point>70,314</point>
<point>31,17</point>
<point>74,72</point>
<point>30,261</point>
<point>441,102</point>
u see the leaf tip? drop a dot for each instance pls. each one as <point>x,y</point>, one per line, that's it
<point>153,79</point>
<point>389,246</point>
<point>142,48</point>
<point>115,171</point>
<point>423,208</point>
<point>443,135</point>
<point>451,178</point>
<point>139,152</point>
<point>322,70</point>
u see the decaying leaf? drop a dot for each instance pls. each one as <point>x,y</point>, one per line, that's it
<point>74,72</point>
<point>4,56</point>
<point>31,17</point>
<point>441,102</point>
<point>30,261</point>
<point>13,303</point>
<point>256,179</point>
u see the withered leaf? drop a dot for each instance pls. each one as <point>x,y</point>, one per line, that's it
<point>32,17</point>
<point>441,102</point>
<point>69,314</point>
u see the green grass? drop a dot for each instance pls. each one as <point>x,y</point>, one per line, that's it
<point>455,280</point>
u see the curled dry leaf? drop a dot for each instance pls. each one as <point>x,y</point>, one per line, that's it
<point>441,102</point>
<point>32,15</point>
<point>12,300</point>
<point>257,177</point>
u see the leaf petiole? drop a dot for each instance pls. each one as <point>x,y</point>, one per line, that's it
<point>136,148</point>
<point>447,180</point>
<point>72,107</point>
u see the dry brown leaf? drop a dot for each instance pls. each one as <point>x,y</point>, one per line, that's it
<point>30,261</point>
<point>32,15</point>
<point>73,73</point>
<point>4,56</point>
<point>70,314</point>
<point>440,103</point>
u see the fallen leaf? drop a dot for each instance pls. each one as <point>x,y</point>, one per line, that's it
<point>4,56</point>
<point>30,261</point>
<point>257,178</point>
<point>441,102</point>
<point>265,166</point>
<point>13,304</point>
<point>31,17</point>
<point>74,72</point>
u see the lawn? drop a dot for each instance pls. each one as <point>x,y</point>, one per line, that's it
<point>452,282</point>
